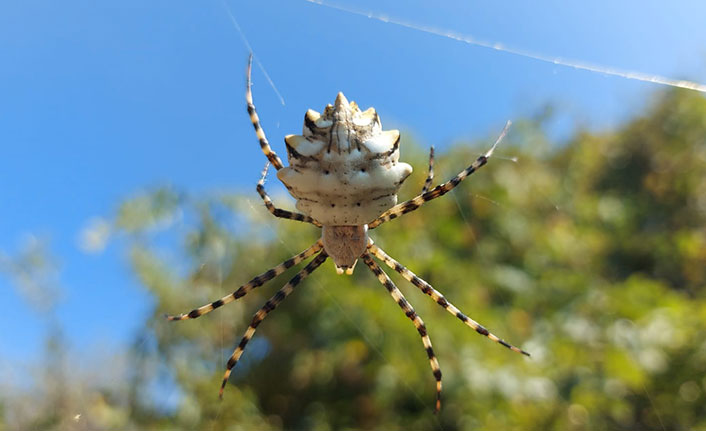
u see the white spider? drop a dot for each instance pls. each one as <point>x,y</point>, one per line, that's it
<point>345,174</point>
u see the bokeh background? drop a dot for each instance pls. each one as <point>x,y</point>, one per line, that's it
<point>127,174</point>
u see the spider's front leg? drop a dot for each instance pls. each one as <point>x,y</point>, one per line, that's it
<point>438,191</point>
<point>418,322</point>
<point>276,211</point>
<point>255,120</point>
<point>438,297</point>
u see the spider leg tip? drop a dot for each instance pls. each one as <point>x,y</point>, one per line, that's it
<point>518,350</point>
<point>263,174</point>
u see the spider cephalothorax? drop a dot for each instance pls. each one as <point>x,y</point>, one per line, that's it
<point>345,174</point>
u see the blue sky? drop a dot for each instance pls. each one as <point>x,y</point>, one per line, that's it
<point>99,100</point>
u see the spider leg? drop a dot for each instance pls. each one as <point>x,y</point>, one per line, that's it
<point>438,297</point>
<point>276,211</point>
<point>437,191</point>
<point>430,176</point>
<point>270,305</point>
<point>409,312</point>
<point>264,144</point>
<point>252,284</point>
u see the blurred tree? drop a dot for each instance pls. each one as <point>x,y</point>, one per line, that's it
<point>34,273</point>
<point>55,394</point>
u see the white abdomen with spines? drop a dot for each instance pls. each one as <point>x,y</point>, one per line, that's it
<point>344,170</point>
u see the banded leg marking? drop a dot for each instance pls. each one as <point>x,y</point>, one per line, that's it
<point>255,120</point>
<point>270,305</point>
<point>418,322</point>
<point>438,297</point>
<point>252,284</point>
<point>276,211</point>
<point>438,191</point>
<point>430,176</point>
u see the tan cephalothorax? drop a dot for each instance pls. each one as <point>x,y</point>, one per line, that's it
<point>344,172</point>
<point>345,244</point>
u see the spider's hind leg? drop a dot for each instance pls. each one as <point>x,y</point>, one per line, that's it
<point>252,284</point>
<point>270,305</point>
<point>276,211</point>
<point>438,297</point>
<point>409,312</point>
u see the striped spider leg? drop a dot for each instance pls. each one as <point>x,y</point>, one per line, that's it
<point>272,157</point>
<point>437,296</point>
<point>439,190</point>
<point>270,305</point>
<point>276,211</point>
<point>252,284</point>
<point>409,312</point>
<point>430,176</point>
<point>255,120</point>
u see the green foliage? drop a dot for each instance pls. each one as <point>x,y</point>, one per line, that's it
<point>591,256</point>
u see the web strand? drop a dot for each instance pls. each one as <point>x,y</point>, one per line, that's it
<point>575,64</point>
<point>249,48</point>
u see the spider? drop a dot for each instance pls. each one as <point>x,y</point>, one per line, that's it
<point>345,174</point>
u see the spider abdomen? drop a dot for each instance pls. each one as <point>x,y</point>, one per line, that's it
<point>344,169</point>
